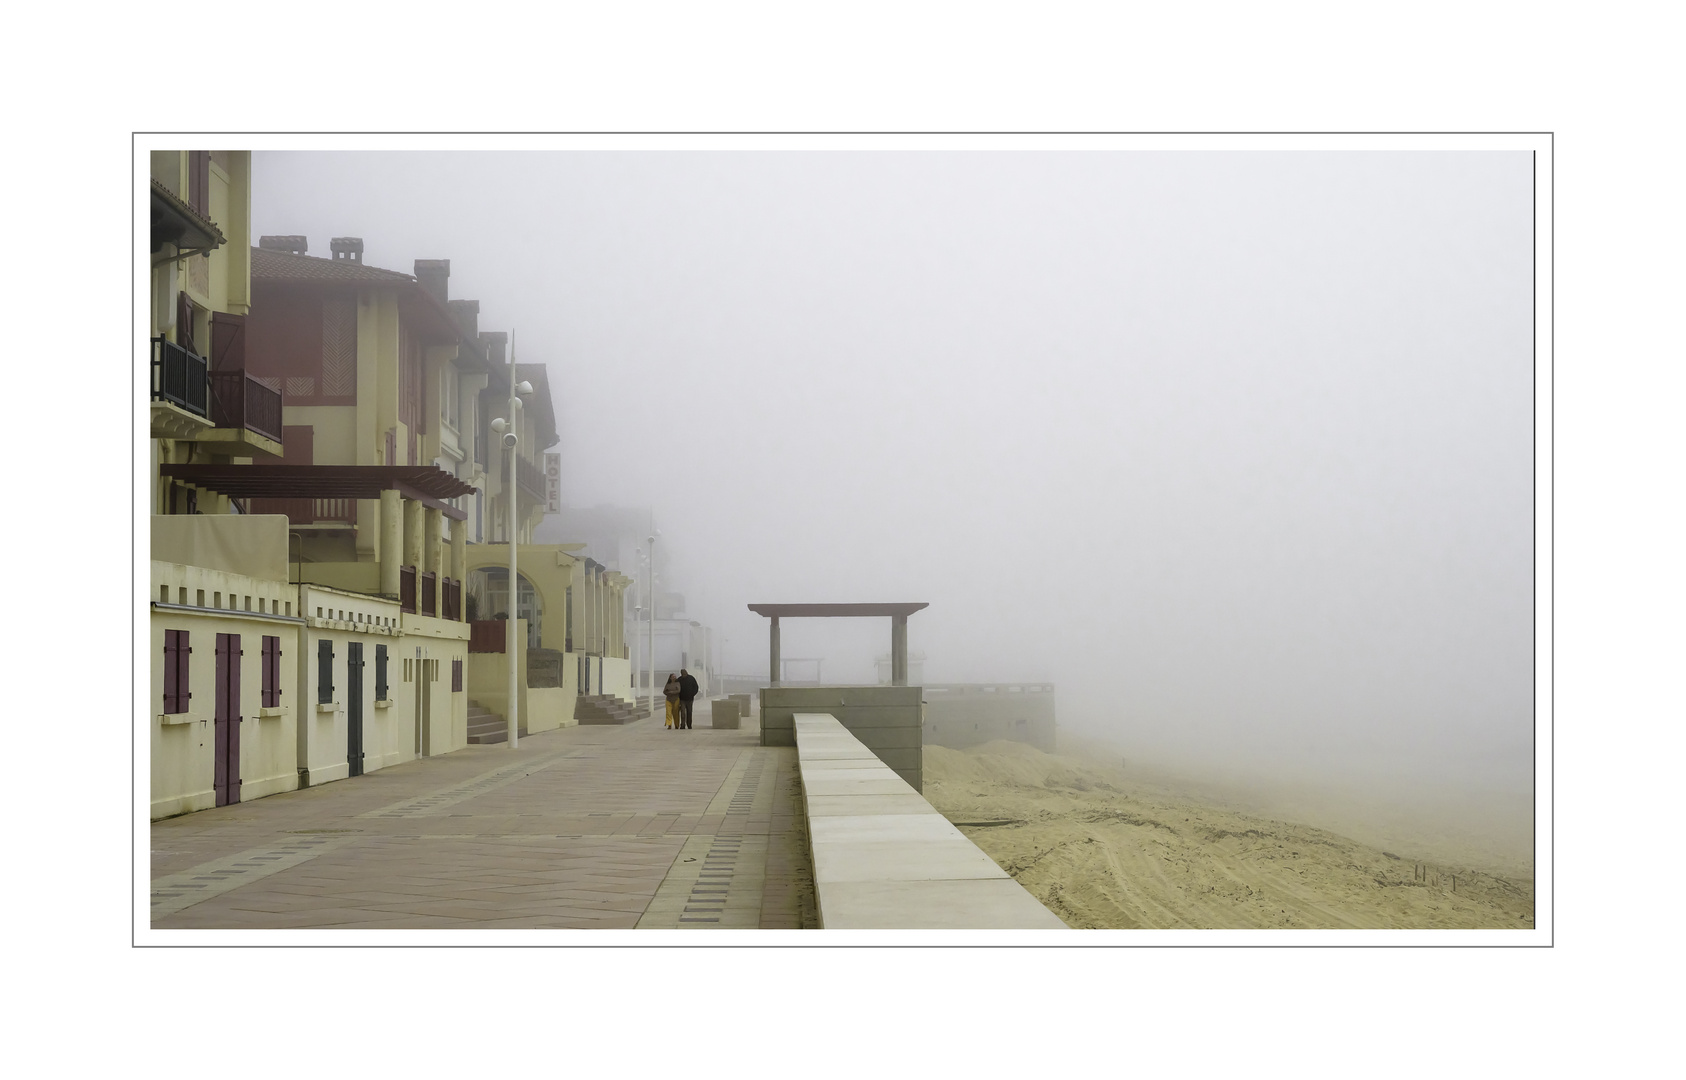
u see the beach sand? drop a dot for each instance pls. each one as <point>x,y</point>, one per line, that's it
<point>1113,845</point>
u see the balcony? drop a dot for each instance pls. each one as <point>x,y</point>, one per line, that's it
<point>230,407</point>
<point>239,400</point>
<point>530,478</point>
<point>180,392</point>
<point>330,513</point>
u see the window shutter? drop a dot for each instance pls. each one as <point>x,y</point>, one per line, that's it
<point>380,673</point>
<point>271,671</point>
<point>324,671</point>
<point>199,181</point>
<point>184,323</point>
<point>456,676</point>
<point>228,341</point>
<point>175,671</point>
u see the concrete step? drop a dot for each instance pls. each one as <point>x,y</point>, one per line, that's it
<point>485,726</point>
<point>596,709</point>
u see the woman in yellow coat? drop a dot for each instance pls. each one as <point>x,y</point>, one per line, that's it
<point>671,692</point>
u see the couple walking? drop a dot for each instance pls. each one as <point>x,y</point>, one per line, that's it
<point>681,694</point>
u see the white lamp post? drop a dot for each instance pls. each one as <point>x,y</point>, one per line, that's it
<point>650,595</point>
<point>506,430</point>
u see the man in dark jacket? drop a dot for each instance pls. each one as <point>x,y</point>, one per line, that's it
<point>687,696</point>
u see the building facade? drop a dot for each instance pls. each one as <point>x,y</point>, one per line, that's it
<point>325,478</point>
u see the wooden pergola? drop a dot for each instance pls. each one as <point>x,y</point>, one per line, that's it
<point>425,484</point>
<point>898,614</point>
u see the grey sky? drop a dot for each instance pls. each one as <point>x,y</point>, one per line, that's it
<point>1236,447</point>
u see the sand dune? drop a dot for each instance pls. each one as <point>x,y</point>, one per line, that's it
<point>1104,849</point>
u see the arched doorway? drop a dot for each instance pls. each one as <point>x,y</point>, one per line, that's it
<point>487,591</point>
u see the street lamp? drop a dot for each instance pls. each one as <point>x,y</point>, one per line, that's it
<point>506,430</point>
<point>650,595</point>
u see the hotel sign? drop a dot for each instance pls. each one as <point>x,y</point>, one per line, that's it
<point>553,483</point>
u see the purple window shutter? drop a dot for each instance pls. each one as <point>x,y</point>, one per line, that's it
<point>271,671</point>
<point>172,672</point>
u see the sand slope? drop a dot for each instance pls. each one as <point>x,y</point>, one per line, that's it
<point>1104,851</point>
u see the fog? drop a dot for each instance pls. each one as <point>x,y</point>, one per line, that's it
<point>1236,448</point>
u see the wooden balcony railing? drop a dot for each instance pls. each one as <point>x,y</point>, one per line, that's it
<point>429,593</point>
<point>450,599</point>
<point>407,589</point>
<point>240,401</point>
<point>308,511</point>
<point>487,635</point>
<point>178,377</point>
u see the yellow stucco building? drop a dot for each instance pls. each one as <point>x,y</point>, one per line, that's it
<point>330,506</point>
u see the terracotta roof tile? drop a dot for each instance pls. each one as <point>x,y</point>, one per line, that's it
<point>270,265</point>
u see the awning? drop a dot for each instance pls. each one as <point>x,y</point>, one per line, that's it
<point>426,484</point>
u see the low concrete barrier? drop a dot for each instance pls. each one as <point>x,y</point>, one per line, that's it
<point>723,713</point>
<point>884,718</point>
<point>883,858</point>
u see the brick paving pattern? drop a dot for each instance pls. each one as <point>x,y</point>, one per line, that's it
<point>598,826</point>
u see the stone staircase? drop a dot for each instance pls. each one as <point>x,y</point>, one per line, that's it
<point>485,726</point>
<point>602,709</point>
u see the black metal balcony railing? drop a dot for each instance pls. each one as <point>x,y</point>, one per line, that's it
<point>178,377</point>
<point>240,401</point>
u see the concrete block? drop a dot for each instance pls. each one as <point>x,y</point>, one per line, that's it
<point>921,828</point>
<point>888,738</point>
<point>879,716</point>
<point>901,760</point>
<point>881,696</point>
<point>850,805</point>
<point>824,765</point>
<point>724,713</point>
<point>999,904</point>
<point>902,860</point>
<point>888,783</point>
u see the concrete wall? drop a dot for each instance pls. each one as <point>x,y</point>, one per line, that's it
<point>550,707</point>
<point>182,744</point>
<point>884,718</point>
<point>617,678</point>
<point>961,715</point>
<point>884,859</point>
<point>488,679</point>
<point>324,728</point>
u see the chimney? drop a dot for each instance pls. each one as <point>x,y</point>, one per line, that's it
<point>347,248</point>
<point>291,245</point>
<point>467,314</point>
<point>434,275</point>
<point>493,342</point>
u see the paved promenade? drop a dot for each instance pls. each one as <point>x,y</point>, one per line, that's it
<point>608,827</point>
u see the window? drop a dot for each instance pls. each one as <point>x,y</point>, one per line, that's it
<point>324,671</point>
<point>456,676</point>
<point>176,692</point>
<point>199,181</point>
<point>271,671</point>
<point>448,397</point>
<point>380,673</point>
